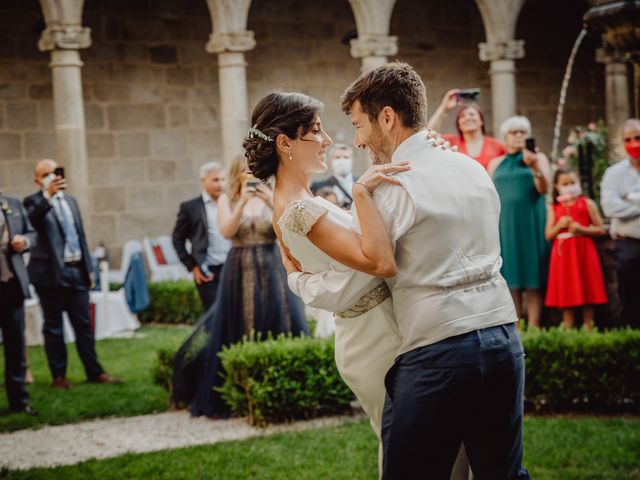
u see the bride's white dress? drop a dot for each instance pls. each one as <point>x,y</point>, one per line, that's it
<point>366,338</point>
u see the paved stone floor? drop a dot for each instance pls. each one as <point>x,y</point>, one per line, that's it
<point>70,444</point>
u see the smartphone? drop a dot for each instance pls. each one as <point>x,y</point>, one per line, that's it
<point>252,182</point>
<point>59,172</point>
<point>530,144</point>
<point>470,94</point>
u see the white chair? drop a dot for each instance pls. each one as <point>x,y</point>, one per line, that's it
<point>129,248</point>
<point>173,269</point>
<point>112,315</point>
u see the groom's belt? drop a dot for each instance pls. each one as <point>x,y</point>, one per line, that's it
<point>368,301</point>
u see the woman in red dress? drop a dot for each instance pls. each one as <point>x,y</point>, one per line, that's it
<point>471,139</point>
<point>575,276</point>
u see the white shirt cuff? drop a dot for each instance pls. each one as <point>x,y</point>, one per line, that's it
<point>292,280</point>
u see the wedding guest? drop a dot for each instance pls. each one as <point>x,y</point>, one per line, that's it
<point>575,275</point>
<point>328,194</point>
<point>620,199</point>
<point>16,237</point>
<point>470,138</point>
<point>197,222</point>
<point>59,268</point>
<point>254,299</point>
<point>522,180</point>
<point>341,180</point>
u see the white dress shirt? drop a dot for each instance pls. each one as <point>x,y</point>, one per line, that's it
<point>217,247</point>
<point>58,201</point>
<point>620,199</point>
<point>443,222</point>
<point>347,184</point>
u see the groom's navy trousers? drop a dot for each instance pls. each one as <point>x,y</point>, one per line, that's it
<point>467,388</point>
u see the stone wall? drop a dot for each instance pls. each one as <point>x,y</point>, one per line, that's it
<point>152,100</point>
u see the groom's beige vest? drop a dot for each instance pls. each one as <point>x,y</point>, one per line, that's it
<point>448,280</point>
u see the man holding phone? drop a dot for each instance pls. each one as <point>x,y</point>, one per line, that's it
<point>60,270</point>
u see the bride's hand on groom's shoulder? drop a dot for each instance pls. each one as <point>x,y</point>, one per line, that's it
<point>376,175</point>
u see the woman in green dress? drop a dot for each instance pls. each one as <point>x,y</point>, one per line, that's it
<point>522,179</point>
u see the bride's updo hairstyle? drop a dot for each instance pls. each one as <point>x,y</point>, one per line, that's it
<point>289,113</point>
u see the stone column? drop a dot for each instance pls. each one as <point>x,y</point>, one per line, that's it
<point>503,77</point>
<point>500,18</point>
<point>617,102</point>
<point>63,39</point>
<point>233,88</point>
<point>374,44</point>
<point>373,50</point>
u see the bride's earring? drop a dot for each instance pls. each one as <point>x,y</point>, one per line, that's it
<point>290,156</point>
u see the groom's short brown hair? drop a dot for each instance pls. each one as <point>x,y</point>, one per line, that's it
<point>395,85</point>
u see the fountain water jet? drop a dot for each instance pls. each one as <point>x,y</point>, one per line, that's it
<point>563,93</point>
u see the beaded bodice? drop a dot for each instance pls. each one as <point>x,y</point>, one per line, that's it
<point>255,229</point>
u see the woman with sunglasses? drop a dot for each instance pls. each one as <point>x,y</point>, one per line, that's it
<point>522,179</point>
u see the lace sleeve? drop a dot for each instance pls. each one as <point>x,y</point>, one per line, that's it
<point>300,216</point>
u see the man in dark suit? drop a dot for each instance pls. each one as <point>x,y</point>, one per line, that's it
<point>16,237</point>
<point>341,180</point>
<point>59,269</point>
<point>198,222</point>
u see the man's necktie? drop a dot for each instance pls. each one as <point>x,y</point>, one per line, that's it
<point>70,233</point>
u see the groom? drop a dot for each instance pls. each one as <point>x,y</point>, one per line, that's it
<point>459,376</point>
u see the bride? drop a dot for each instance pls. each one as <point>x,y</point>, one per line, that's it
<point>287,142</point>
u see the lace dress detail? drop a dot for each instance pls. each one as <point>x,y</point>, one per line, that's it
<point>253,300</point>
<point>300,216</point>
<point>255,230</point>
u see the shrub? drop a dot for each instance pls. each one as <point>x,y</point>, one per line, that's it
<point>292,378</point>
<point>172,302</point>
<point>163,369</point>
<point>283,379</point>
<point>582,371</point>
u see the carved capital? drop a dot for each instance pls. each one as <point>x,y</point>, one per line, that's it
<point>374,45</point>
<point>231,42</point>
<point>64,37</point>
<point>509,50</point>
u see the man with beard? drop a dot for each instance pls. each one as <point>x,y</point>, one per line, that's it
<point>459,374</point>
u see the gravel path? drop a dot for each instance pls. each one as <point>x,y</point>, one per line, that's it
<point>70,444</point>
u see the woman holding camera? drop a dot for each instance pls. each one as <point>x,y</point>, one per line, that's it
<point>253,299</point>
<point>522,179</point>
<point>470,139</point>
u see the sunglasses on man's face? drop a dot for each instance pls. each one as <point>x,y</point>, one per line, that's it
<point>630,139</point>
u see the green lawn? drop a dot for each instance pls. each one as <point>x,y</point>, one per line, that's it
<point>129,359</point>
<point>555,449</point>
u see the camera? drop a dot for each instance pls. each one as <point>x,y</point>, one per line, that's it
<point>59,172</point>
<point>469,94</point>
<point>252,182</point>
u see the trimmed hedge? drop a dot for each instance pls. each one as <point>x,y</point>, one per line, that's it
<point>172,302</point>
<point>283,379</point>
<point>291,378</point>
<point>581,371</point>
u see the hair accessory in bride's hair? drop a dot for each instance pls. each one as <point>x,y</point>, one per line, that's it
<point>254,132</point>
